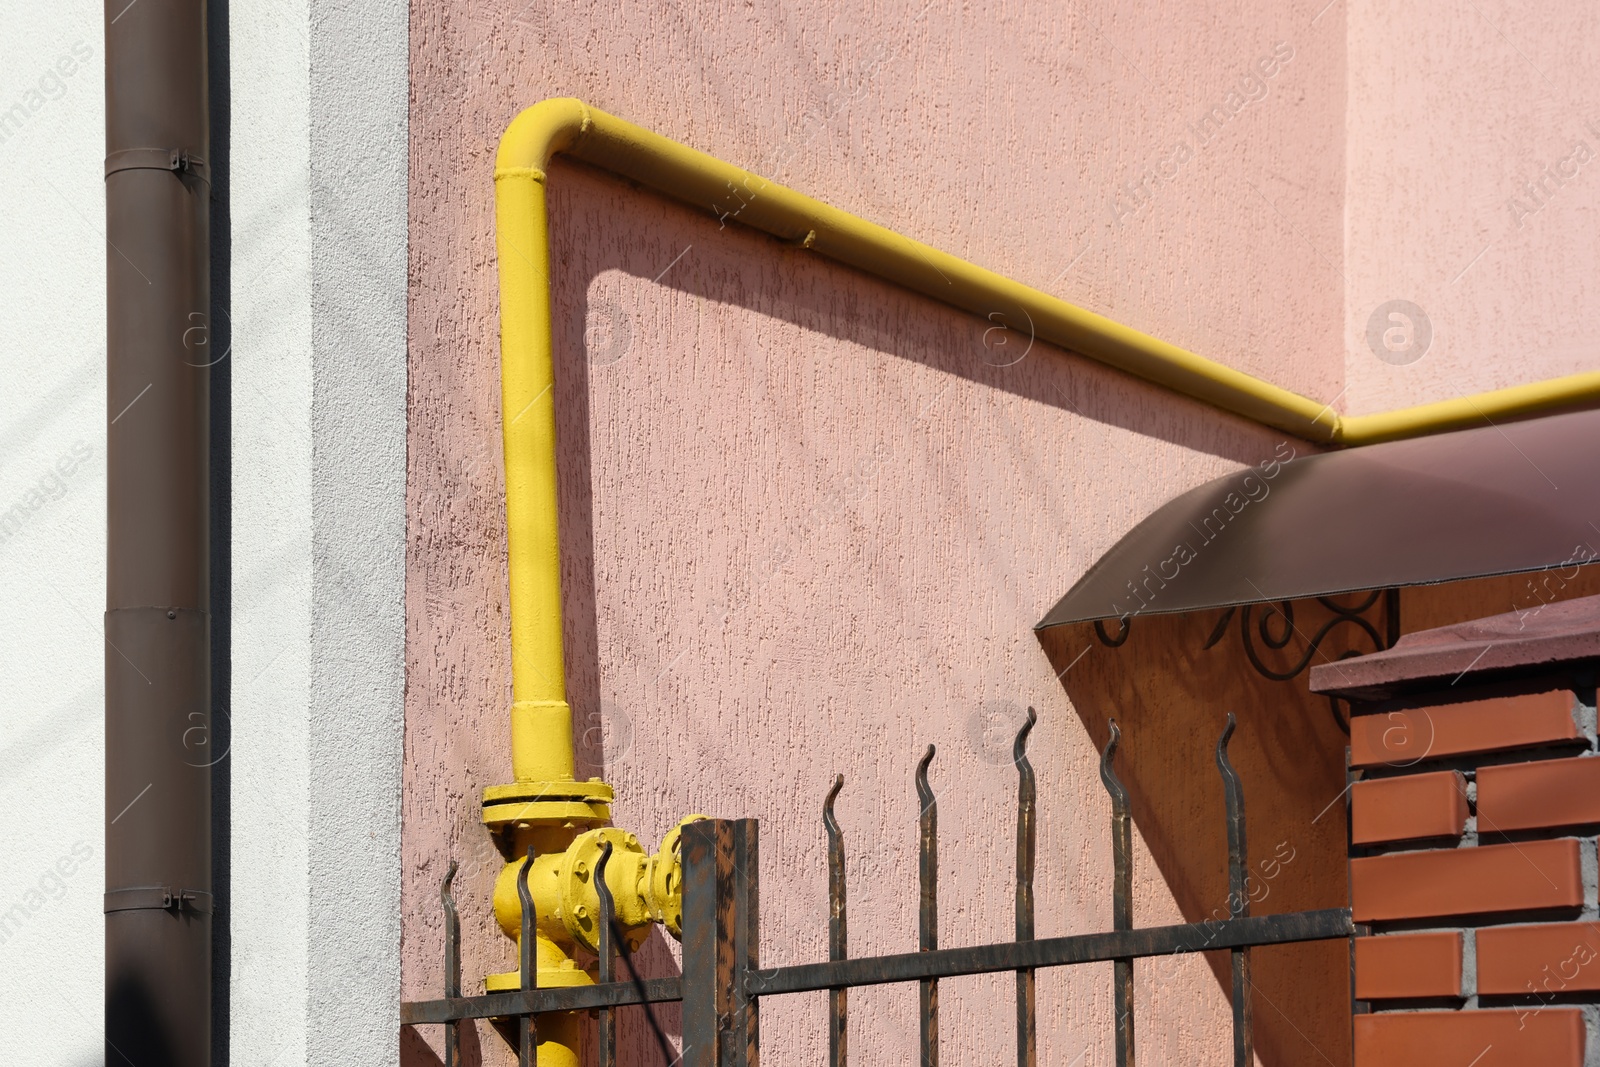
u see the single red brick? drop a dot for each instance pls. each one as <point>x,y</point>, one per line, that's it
<point>1549,1037</point>
<point>1400,809</point>
<point>1544,961</point>
<point>1558,792</point>
<point>1408,736</point>
<point>1409,965</point>
<point>1466,881</point>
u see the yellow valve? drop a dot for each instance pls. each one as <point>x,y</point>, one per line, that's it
<point>645,890</point>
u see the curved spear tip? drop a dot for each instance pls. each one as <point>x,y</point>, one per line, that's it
<point>923,789</point>
<point>830,823</point>
<point>827,804</point>
<point>522,881</point>
<point>1107,775</point>
<point>1224,764</point>
<point>1111,742</point>
<point>527,865</point>
<point>444,888</point>
<point>1019,747</point>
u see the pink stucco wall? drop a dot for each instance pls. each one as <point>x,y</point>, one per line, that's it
<point>809,520</point>
<point>1473,192</point>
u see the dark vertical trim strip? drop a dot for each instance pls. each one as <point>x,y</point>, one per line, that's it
<point>219,344</point>
<point>704,846</point>
<point>744,1034</point>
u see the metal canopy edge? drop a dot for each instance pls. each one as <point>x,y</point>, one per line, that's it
<point>1496,500</point>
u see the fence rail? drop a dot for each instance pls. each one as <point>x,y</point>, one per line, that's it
<point>723,980</point>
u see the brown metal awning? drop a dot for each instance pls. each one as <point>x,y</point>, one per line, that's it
<point>1498,500</point>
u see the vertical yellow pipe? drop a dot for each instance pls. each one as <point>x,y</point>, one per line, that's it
<point>541,722</point>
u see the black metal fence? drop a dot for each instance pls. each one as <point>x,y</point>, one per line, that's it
<point>723,982</point>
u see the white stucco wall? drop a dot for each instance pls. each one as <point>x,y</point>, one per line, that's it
<point>360,69</point>
<point>319,376</point>
<point>52,531</point>
<point>269,175</point>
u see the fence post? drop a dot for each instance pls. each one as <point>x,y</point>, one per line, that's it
<point>719,942</point>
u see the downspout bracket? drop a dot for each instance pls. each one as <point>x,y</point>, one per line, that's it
<point>168,159</point>
<point>158,898</point>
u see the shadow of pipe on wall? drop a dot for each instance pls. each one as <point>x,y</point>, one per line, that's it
<point>597,336</point>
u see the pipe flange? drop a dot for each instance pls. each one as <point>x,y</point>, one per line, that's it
<point>560,803</point>
<point>626,873</point>
<point>666,879</point>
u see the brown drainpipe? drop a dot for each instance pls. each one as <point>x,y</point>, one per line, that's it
<point>157,626</point>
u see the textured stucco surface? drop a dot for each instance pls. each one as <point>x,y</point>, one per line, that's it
<point>52,532</point>
<point>809,520</point>
<point>318,198</point>
<point>270,316</point>
<point>1454,112</point>
<point>359,79</point>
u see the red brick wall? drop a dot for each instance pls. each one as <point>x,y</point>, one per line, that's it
<point>1472,830</point>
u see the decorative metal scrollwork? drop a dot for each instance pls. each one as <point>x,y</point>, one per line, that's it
<point>1272,626</point>
<point>1343,615</point>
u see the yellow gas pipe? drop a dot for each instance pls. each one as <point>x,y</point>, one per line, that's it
<point>565,819</point>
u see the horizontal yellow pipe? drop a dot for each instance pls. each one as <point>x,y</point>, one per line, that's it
<point>570,126</point>
<point>1555,394</point>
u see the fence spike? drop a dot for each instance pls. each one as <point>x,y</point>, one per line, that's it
<point>527,966</point>
<point>452,964</point>
<point>1121,896</point>
<point>838,936</point>
<point>608,912</point>
<point>1238,900</point>
<point>1027,842</point>
<point>928,871</point>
